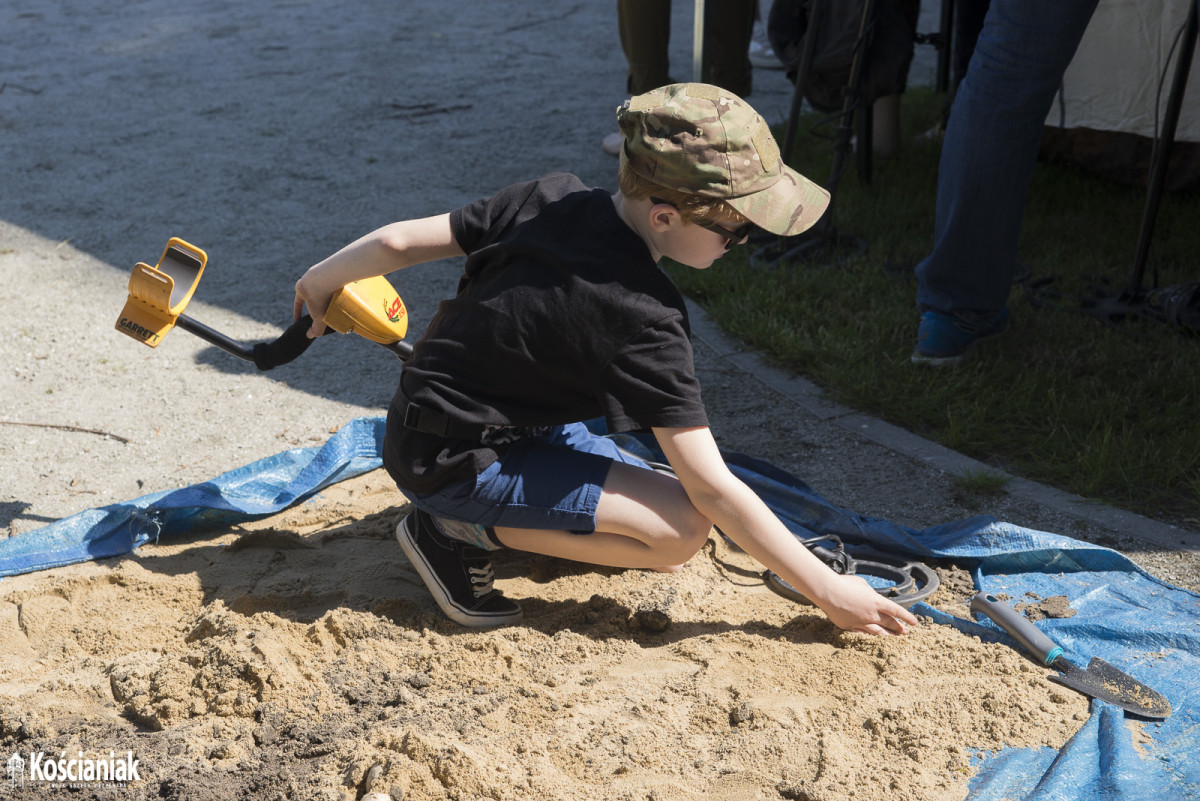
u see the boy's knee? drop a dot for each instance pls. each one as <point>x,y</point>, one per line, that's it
<point>692,534</point>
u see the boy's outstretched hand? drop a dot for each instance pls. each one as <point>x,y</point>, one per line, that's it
<point>852,604</point>
<point>848,601</point>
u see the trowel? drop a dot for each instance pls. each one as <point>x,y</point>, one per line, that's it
<point>1100,680</point>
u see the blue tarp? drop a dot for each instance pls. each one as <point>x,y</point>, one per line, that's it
<point>1144,626</point>
<point>255,490</point>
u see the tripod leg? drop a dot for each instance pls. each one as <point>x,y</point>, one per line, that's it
<point>806,58</point>
<point>945,47</point>
<point>853,98</point>
<point>788,249</point>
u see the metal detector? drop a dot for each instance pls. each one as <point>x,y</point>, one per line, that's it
<point>158,295</point>
<point>909,581</point>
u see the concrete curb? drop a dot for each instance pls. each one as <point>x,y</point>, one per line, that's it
<point>809,397</point>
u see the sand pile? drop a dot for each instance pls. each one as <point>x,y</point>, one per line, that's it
<point>300,657</point>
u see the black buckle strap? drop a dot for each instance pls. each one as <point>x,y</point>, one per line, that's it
<point>428,421</point>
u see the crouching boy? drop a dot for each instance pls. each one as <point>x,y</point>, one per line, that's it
<point>563,315</point>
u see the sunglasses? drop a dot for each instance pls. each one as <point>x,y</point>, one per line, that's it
<point>732,238</point>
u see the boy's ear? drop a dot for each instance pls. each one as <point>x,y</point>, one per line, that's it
<point>663,216</point>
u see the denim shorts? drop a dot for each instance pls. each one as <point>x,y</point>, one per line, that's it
<point>539,482</point>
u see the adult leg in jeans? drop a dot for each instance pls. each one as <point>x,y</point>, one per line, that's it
<point>990,149</point>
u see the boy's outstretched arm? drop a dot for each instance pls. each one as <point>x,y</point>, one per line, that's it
<point>385,250</point>
<point>848,601</point>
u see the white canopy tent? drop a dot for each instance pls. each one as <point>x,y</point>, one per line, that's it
<point>1123,71</point>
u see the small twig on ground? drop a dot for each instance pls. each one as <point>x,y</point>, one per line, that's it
<point>543,21</point>
<point>426,110</point>
<point>59,427</point>
<point>27,90</point>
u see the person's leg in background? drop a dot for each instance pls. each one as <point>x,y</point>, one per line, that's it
<point>762,54</point>
<point>986,166</point>
<point>728,26</point>
<point>645,27</point>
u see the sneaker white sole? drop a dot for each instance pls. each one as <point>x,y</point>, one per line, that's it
<point>453,610</point>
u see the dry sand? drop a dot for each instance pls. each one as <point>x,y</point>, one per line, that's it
<point>288,657</point>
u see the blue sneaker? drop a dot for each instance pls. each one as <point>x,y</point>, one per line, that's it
<point>943,339</point>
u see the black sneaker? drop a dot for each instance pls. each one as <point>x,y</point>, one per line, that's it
<point>459,575</point>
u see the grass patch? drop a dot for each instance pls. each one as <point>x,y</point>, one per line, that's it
<point>982,482</point>
<point>1109,412</point>
<point>975,488</point>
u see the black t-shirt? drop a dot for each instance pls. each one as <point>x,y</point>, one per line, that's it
<point>561,316</point>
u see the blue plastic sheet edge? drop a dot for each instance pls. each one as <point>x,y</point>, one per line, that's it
<point>1124,615</point>
<point>261,488</point>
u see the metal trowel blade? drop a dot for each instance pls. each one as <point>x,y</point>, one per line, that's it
<point>1102,680</point>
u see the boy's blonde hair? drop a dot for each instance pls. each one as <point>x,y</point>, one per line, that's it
<point>696,209</point>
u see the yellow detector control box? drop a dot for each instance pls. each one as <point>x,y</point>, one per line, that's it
<point>370,308</point>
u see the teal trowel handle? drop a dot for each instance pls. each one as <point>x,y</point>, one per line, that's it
<point>1017,626</point>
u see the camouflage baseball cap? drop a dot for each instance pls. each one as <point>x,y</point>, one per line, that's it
<point>702,140</point>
